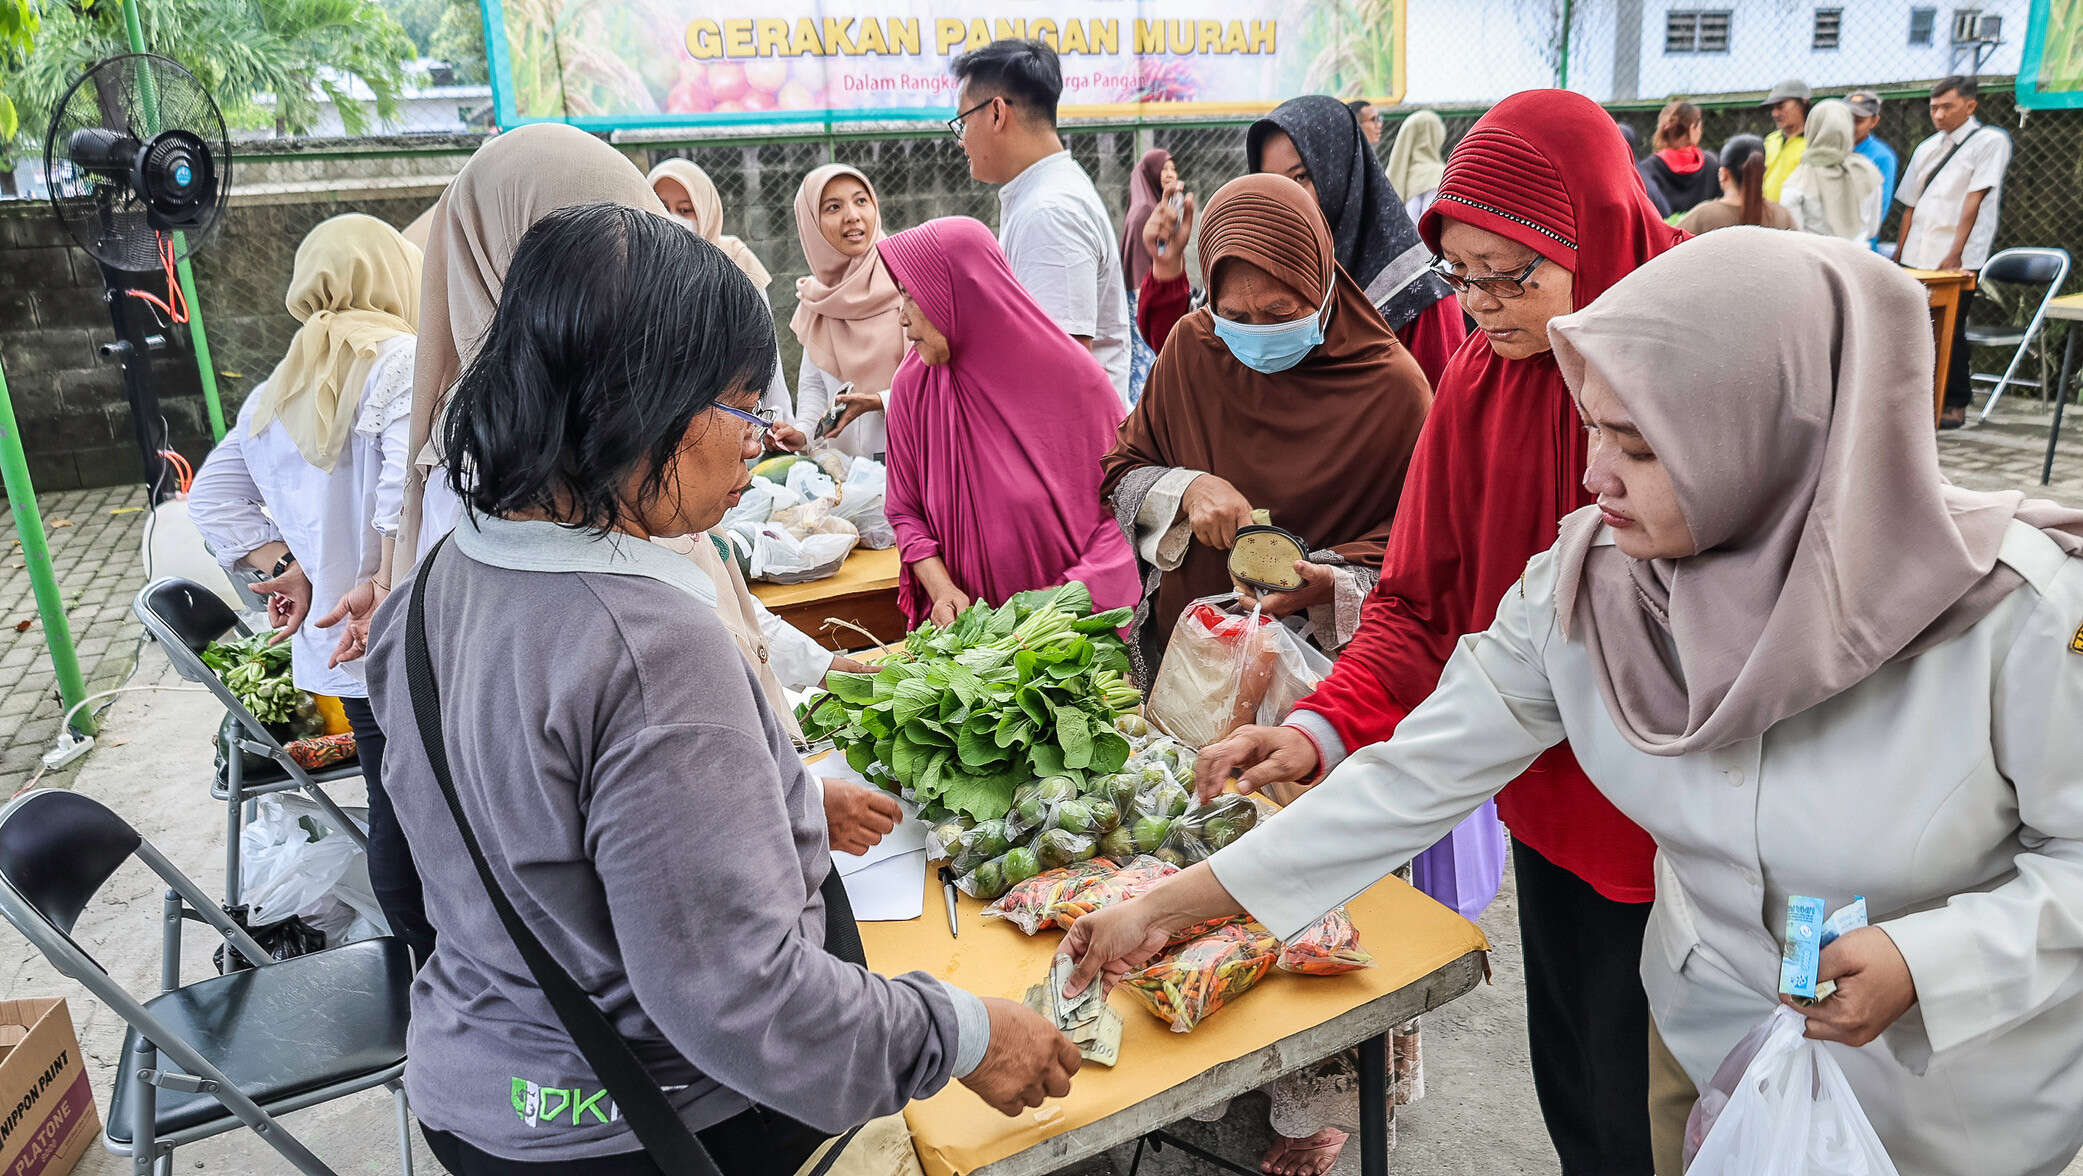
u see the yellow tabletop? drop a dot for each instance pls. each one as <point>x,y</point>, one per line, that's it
<point>864,571</point>
<point>1411,937</point>
<point>2068,306</point>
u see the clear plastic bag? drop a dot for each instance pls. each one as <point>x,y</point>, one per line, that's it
<point>861,503</point>
<point>1327,947</point>
<point>1187,984</point>
<point>1780,1106</point>
<point>1223,670</point>
<point>781,558</point>
<point>293,863</point>
<point>1030,906</point>
<point>1202,830</point>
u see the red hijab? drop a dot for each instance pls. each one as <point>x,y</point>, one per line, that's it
<point>1548,169</point>
<point>994,456</point>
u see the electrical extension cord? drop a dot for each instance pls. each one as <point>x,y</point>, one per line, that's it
<point>70,747</point>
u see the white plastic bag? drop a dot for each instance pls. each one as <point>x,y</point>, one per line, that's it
<point>293,861</point>
<point>810,481</point>
<point>1780,1106</point>
<point>781,558</point>
<point>1224,670</point>
<point>861,503</point>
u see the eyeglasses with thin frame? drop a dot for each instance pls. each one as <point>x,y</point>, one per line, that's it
<point>958,126</point>
<point>1496,285</point>
<point>763,417</point>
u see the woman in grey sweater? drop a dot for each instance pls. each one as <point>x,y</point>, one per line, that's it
<point>637,802</point>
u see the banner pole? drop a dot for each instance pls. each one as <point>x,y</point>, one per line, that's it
<point>36,556</point>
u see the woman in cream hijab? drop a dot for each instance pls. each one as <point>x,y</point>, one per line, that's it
<point>306,488</point>
<point>848,312</point>
<point>1789,650</point>
<point>1417,160</point>
<point>1836,192</point>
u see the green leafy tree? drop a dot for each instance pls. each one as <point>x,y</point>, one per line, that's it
<point>18,22</point>
<point>266,62</point>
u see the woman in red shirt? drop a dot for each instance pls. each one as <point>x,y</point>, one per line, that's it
<point>1540,211</point>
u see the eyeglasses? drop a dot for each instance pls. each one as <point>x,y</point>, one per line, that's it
<point>1496,286</point>
<point>763,417</point>
<point>958,126</point>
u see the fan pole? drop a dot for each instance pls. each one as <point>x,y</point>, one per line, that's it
<point>36,556</point>
<point>204,369</point>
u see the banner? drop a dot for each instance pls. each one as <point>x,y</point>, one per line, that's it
<point>611,64</point>
<point>2051,74</point>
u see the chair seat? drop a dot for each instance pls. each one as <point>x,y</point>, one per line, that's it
<point>1994,336</point>
<point>291,1028</point>
<point>272,772</point>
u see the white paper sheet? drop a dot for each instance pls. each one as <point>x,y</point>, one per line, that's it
<point>909,837</point>
<point>890,891</point>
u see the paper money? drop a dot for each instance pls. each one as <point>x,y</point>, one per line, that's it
<point>1091,1026</point>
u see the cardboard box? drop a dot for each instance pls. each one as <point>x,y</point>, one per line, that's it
<point>47,1115</point>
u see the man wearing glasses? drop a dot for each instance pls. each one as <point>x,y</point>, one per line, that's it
<point>1370,121</point>
<point>1053,226</point>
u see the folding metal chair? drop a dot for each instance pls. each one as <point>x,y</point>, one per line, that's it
<point>184,618</point>
<point>2024,267</point>
<point>205,1058</point>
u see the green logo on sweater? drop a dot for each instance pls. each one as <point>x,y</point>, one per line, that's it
<point>544,1106</point>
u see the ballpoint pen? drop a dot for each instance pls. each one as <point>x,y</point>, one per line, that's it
<point>947,888</point>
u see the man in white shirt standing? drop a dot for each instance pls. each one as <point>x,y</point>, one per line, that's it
<point>1954,187</point>
<point>1053,226</point>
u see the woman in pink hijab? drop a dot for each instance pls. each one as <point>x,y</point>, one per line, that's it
<point>996,427</point>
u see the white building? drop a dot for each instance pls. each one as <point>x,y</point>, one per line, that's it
<point>427,105</point>
<point>1621,50</point>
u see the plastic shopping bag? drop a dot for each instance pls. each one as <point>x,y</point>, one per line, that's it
<point>861,503</point>
<point>295,864</point>
<point>781,558</point>
<point>1780,1106</point>
<point>1224,670</point>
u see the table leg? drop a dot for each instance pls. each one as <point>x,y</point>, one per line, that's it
<point>2061,399</point>
<point>1374,1106</point>
<point>1943,314</point>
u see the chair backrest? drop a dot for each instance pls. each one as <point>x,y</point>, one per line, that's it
<point>58,848</point>
<point>2027,266</point>
<point>184,612</point>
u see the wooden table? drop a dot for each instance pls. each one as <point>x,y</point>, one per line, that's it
<point>1946,289</point>
<point>1426,956</point>
<point>864,593</point>
<point>2069,307</point>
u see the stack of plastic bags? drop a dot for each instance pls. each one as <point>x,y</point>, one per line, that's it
<point>801,517</point>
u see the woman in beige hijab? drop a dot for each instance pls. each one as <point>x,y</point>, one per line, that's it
<point>1803,662</point>
<point>1836,192</point>
<point>305,489</point>
<point>848,312</point>
<point>1417,160</point>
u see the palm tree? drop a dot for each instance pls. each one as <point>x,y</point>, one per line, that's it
<point>265,61</point>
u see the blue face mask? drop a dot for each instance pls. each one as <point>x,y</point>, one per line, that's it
<point>1272,347</point>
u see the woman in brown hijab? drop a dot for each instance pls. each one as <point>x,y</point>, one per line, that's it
<point>1243,413</point>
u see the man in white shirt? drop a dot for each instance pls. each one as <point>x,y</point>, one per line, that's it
<point>1954,187</point>
<point>1054,228</point>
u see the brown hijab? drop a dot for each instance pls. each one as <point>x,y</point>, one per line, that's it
<point>1797,431</point>
<point>513,181</point>
<point>1323,445</point>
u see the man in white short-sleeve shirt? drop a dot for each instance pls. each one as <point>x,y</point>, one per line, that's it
<point>1055,230</point>
<point>1954,188</point>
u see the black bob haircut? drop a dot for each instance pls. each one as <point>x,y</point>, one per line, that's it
<point>1957,84</point>
<point>1357,105</point>
<point>615,328</point>
<point>1023,72</point>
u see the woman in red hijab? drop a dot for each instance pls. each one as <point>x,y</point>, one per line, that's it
<point>1540,211</point>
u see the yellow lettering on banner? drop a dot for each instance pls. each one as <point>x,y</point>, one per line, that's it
<point>1181,35</point>
<point>1044,30</point>
<point>1009,30</point>
<point>872,40</point>
<point>1074,38</point>
<point>704,40</point>
<point>773,36</point>
<point>839,37</point>
<point>947,33</point>
<point>979,34</point>
<point>903,36</point>
<point>1262,35</point>
<point>1210,36</point>
<point>1236,41</point>
<point>1149,36</point>
<point>1106,37</point>
<point>805,40</point>
<point>737,37</point>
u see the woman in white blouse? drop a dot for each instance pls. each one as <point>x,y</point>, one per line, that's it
<point>847,314</point>
<point>1784,646</point>
<point>1836,192</point>
<point>308,487</point>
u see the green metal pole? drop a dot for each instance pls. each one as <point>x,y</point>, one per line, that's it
<point>204,369</point>
<point>1562,67</point>
<point>36,556</point>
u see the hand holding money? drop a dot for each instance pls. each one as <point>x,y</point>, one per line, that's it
<point>1092,1026</point>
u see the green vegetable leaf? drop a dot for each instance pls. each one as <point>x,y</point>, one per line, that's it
<point>979,749</point>
<point>1105,622</point>
<point>1047,759</point>
<point>861,758</point>
<point>1014,729</point>
<point>964,684</point>
<point>929,780</point>
<point>981,795</point>
<point>913,698</point>
<point>905,760</point>
<point>1074,736</point>
<point>1110,751</point>
<point>929,732</point>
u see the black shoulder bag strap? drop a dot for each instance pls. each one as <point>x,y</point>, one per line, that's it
<point>1933,173</point>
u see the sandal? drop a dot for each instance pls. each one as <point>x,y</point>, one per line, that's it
<point>1318,1154</point>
